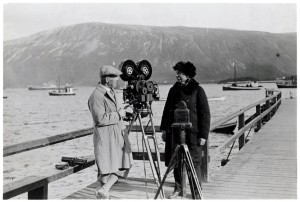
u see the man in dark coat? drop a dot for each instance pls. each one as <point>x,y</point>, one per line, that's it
<point>188,90</point>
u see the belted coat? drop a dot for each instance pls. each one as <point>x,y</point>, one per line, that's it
<point>112,154</point>
<point>195,98</point>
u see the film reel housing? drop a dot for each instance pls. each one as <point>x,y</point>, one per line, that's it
<point>139,90</point>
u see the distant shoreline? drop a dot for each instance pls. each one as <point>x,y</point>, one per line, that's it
<point>171,83</point>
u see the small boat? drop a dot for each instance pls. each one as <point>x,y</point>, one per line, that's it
<point>45,86</point>
<point>286,86</point>
<point>292,83</point>
<point>248,86</point>
<point>228,128</point>
<point>67,90</point>
<point>62,91</point>
<point>4,97</point>
<point>239,87</point>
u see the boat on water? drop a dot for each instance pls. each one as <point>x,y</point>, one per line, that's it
<point>235,86</point>
<point>228,128</point>
<point>245,85</point>
<point>62,91</point>
<point>45,86</point>
<point>67,90</point>
<point>287,83</point>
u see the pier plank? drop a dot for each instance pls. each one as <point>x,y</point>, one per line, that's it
<point>131,188</point>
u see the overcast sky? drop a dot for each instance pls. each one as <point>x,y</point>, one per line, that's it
<point>22,19</point>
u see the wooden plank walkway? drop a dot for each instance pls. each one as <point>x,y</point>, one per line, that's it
<point>132,188</point>
<point>266,167</point>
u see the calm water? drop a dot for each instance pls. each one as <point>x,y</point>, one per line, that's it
<point>30,115</point>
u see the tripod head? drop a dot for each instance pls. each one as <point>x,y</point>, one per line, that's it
<point>182,124</point>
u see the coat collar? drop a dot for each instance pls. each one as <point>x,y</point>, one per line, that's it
<point>106,92</point>
<point>187,89</point>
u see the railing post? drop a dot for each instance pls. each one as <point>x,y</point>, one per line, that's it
<point>268,106</point>
<point>278,97</point>
<point>241,125</point>
<point>205,162</point>
<point>258,113</point>
<point>39,193</point>
<point>275,108</point>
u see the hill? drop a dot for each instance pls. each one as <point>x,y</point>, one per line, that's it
<point>76,52</point>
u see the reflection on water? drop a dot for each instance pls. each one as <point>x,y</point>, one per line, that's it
<point>30,115</point>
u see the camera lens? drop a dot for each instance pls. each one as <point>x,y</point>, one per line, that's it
<point>141,87</point>
<point>150,86</point>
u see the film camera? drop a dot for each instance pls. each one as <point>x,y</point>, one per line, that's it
<point>138,91</point>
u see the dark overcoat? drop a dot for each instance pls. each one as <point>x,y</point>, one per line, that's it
<point>195,98</point>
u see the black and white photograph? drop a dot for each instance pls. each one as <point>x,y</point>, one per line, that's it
<point>148,100</point>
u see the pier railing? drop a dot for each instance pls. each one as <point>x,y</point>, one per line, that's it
<point>37,186</point>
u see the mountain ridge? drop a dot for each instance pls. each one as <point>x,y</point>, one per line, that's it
<point>77,51</point>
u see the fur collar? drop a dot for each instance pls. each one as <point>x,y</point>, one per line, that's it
<point>187,89</point>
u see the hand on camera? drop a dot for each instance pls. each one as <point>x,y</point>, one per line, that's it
<point>201,141</point>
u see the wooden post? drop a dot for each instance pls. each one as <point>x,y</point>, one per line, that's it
<point>205,162</point>
<point>258,113</point>
<point>278,97</point>
<point>279,94</point>
<point>268,106</point>
<point>274,109</point>
<point>241,125</point>
<point>39,193</point>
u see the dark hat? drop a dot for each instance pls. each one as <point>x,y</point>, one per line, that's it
<point>186,68</point>
<point>110,71</point>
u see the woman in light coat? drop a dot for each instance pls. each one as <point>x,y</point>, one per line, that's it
<point>111,145</point>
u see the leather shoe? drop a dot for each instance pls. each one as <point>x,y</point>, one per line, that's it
<point>174,194</point>
<point>101,193</point>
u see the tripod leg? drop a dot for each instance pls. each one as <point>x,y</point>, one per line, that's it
<point>171,166</point>
<point>152,165</point>
<point>155,145</point>
<point>183,174</point>
<point>191,181</point>
<point>192,170</point>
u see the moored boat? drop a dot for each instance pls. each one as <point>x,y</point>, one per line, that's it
<point>237,87</point>
<point>248,85</point>
<point>287,84</point>
<point>226,128</point>
<point>61,92</point>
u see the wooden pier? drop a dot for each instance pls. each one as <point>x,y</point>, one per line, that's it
<point>264,168</point>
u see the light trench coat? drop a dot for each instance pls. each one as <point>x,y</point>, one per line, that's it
<point>111,144</point>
